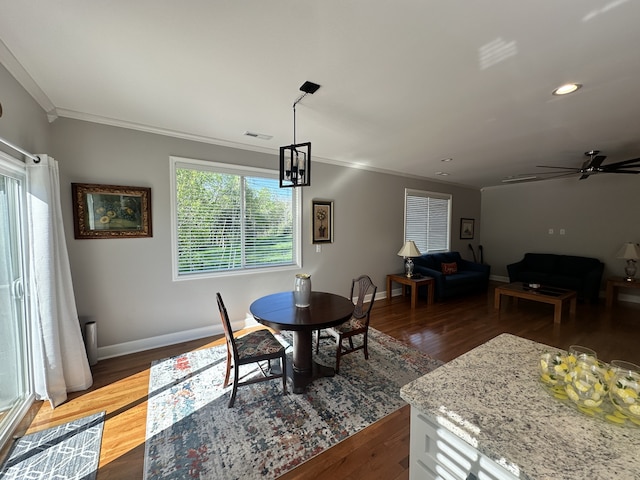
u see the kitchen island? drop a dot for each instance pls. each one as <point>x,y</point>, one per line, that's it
<point>486,415</point>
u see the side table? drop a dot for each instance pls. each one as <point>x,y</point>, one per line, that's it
<point>414,283</point>
<point>614,283</point>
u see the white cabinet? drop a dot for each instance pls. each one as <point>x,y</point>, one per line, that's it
<point>438,454</point>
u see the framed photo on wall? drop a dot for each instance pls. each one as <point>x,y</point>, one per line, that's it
<point>466,228</point>
<point>110,211</point>
<point>322,221</point>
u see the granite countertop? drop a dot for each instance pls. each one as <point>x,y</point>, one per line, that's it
<point>492,398</point>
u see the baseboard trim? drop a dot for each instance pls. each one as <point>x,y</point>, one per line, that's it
<point>135,346</point>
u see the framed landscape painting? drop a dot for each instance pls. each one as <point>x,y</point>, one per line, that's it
<point>110,211</point>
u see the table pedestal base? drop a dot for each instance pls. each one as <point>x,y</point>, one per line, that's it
<point>304,370</point>
<point>300,380</point>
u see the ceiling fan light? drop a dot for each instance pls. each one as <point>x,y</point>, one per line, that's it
<point>567,88</point>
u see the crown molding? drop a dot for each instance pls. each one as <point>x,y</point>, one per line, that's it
<point>15,68</point>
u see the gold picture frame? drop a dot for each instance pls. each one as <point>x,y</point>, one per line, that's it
<point>111,211</point>
<point>322,223</point>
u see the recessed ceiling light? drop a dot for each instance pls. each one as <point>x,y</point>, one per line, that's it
<point>567,88</point>
<point>446,159</point>
<point>442,174</point>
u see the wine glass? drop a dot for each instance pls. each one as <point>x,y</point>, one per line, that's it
<point>624,390</point>
<point>553,369</point>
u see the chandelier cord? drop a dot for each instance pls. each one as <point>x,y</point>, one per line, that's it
<point>294,114</point>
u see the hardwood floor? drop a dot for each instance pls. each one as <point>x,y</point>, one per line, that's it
<point>445,330</point>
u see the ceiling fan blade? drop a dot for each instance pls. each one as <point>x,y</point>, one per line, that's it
<point>634,163</point>
<point>569,172</point>
<point>618,170</point>
<point>534,177</point>
<point>575,170</point>
<point>555,175</point>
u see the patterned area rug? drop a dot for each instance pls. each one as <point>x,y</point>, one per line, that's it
<point>192,434</point>
<point>66,452</point>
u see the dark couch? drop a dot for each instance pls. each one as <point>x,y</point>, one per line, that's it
<point>582,274</point>
<point>470,276</point>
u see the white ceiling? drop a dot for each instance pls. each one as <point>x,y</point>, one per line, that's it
<point>404,83</point>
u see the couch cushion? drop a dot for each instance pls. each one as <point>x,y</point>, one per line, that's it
<point>540,262</point>
<point>464,277</point>
<point>434,260</point>
<point>449,268</point>
<point>576,266</point>
<point>535,277</point>
<point>427,261</point>
<point>567,281</point>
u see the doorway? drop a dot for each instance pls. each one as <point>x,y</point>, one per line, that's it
<point>16,394</point>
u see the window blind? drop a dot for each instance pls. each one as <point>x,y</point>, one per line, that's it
<point>230,220</point>
<point>427,216</point>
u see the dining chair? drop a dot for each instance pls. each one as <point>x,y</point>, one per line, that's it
<point>358,324</point>
<point>253,347</point>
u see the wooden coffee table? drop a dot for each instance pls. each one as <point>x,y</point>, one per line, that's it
<point>558,297</point>
<point>414,283</point>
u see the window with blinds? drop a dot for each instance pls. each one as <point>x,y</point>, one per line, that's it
<point>230,219</point>
<point>426,220</point>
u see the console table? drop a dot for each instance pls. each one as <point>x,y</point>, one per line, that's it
<point>414,283</point>
<point>614,283</point>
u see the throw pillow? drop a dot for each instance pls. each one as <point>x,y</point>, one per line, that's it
<point>449,268</point>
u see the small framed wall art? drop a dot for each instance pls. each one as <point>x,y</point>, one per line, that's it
<point>466,228</point>
<point>110,211</point>
<point>322,223</point>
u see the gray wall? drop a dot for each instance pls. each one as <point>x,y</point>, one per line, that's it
<point>23,122</point>
<point>125,285</point>
<point>598,215</point>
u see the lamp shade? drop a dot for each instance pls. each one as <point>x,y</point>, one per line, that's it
<point>409,249</point>
<point>629,251</point>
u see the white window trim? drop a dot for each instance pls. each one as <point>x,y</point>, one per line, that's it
<point>177,162</point>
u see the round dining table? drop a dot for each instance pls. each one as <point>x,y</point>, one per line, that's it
<point>279,312</point>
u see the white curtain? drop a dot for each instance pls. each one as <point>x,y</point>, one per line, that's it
<point>59,357</point>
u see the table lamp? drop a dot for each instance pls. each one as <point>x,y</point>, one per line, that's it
<point>630,252</point>
<point>409,250</point>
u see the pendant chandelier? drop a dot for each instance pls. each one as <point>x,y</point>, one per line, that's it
<point>295,159</point>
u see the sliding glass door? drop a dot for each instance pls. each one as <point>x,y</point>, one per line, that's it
<point>15,392</point>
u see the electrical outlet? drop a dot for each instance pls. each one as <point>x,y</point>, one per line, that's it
<point>318,248</point>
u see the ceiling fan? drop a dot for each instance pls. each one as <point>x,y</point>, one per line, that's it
<point>590,167</point>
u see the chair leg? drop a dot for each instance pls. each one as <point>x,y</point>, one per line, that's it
<point>235,386</point>
<point>366,346</point>
<point>283,361</point>
<point>226,376</point>
<point>318,341</point>
<point>338,353</point>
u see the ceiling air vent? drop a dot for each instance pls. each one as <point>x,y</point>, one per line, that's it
<point>261,136</point>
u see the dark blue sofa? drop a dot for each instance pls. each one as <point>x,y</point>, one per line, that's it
<point>582,274</point>
<point>470,277</point>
